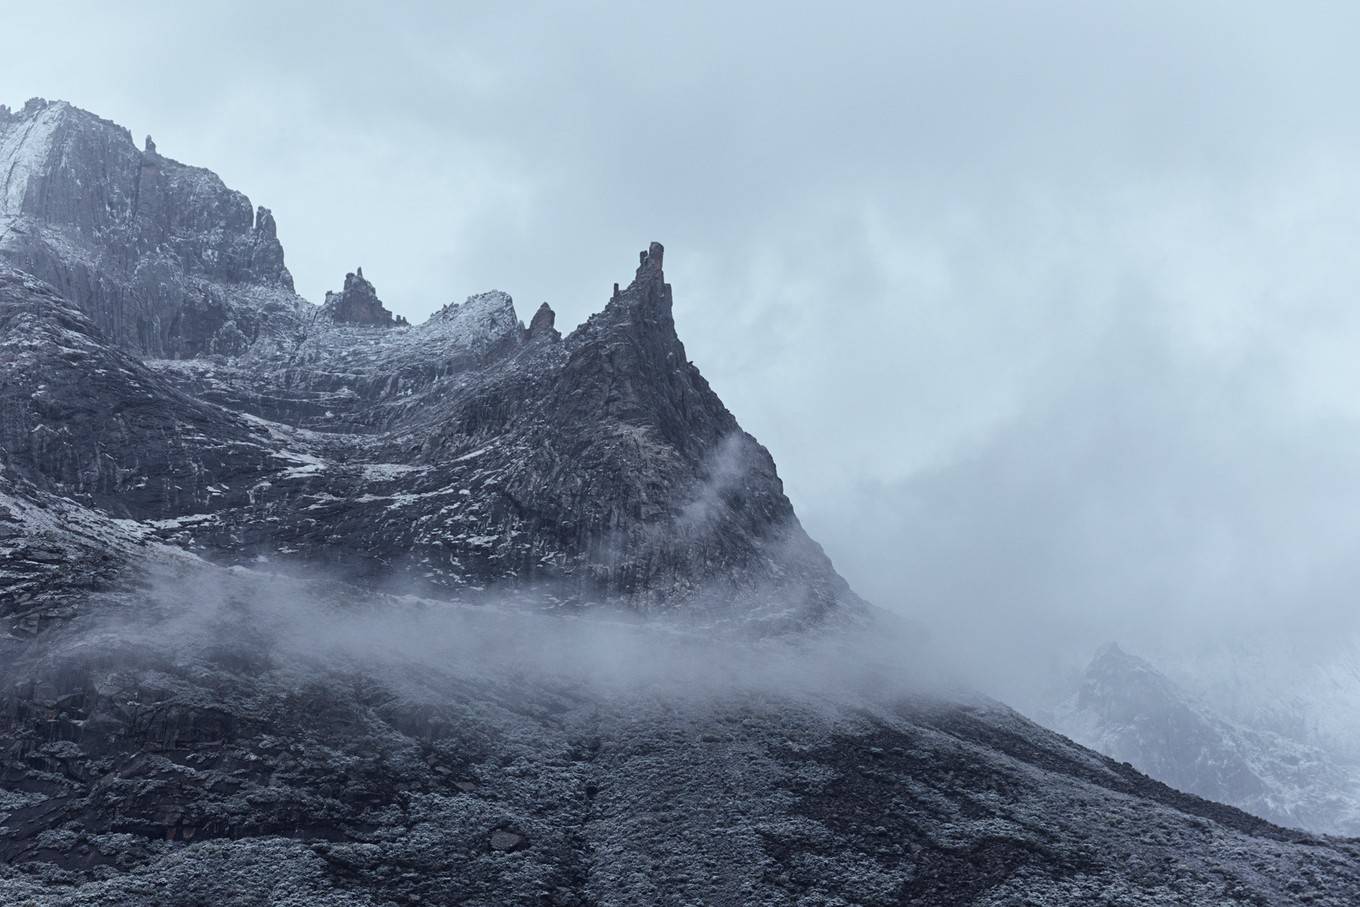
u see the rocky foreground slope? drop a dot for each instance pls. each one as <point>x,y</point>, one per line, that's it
<point>302,604</point>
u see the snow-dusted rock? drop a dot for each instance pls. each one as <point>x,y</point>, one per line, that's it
<point>162,257</point>
<point>575,463</point>
<point>291,611</point>
<point>1126,709</point>
<point>483,321</point>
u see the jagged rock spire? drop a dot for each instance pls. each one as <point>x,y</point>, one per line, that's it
<point>358,303</point>
<point>542,324</point>
<point>265,223</point>
<point>650,260</point>
<point>149,147</point>
<point>649,283</point>
<point>649,266</point>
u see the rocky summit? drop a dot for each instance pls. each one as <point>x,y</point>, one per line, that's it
<point>308,605</point>
<point>358,303</point>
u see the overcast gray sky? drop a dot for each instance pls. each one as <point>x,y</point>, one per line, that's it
<point>1047,311</point>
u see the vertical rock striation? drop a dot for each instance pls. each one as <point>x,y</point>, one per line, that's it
<point>162,257</point>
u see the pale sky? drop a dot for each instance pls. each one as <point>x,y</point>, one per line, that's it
<point>1047,311</point>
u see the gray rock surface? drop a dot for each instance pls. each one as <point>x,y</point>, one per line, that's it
<point>161,256</point>
<point>358,303</point>
<point>303,605</point>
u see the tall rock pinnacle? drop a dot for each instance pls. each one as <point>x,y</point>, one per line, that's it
<point>358,303</point>
<point>542,324</point>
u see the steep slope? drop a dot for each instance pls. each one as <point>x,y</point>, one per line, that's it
<point>78,415</point>
<point>300,604</point>
<point>275,740</point>
<point>1127,710</point>
<point>597,466</point>
<point>162,257</point>
<point>465,451</point>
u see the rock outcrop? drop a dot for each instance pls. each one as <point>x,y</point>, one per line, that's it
<point>165,259</point>
<point>464,451</point>
<point>303,604</point>
<point>357,303</point>
<point>81,417</point>
<point>543,324</point>
<point>482,321</point>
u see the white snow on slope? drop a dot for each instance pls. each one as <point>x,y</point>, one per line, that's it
<point>1298,691</point>
<point>480,321</point>
<point>1125,708</point>
<point>25,144</point>
<point>454,332</point>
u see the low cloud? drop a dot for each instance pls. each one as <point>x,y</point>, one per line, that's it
<point>1046,313</point>
<point>305,628</point>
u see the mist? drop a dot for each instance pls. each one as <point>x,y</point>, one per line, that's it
<point>301,627</point>
<point>1173,469</point>
<point>1046,313</point>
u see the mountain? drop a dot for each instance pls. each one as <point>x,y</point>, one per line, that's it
<point>1126,709</point>
<point>165,259</point>
<point>303,604</point>
<point>1281,682</point>
<point>465,451</point>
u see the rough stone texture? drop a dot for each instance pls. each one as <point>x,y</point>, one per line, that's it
<point>358,303</point>
<point>542,324</point>
<point>146,765</point>
<point>162,257</point>
<point>456,453</point>
<point>79,415</point>
<point>183,722</point>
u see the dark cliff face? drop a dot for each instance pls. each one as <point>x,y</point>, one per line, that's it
<point>358,303</point>
<point>542,324</point>
<point>165,259</point>
<point>261,563</point>
<point>80,416</point>
<point>464,451</point>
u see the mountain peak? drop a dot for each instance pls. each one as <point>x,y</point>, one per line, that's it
<point>483,321</point>
<point>358,302</point>
<point>1126,708</point>
<point>36,105</point>
<point>465,464</point>
<point>1111,651</point>
<point>173,257</point>
<point>649,260</point>
<point>649,273</point>
<point>543,323</point>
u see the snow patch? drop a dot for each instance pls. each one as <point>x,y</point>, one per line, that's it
<point>385,472</point>
<point>25,146</point>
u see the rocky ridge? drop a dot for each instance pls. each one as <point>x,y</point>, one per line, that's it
<point>464,451</point>
<point>358,303</point>
<point>300,608</point>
